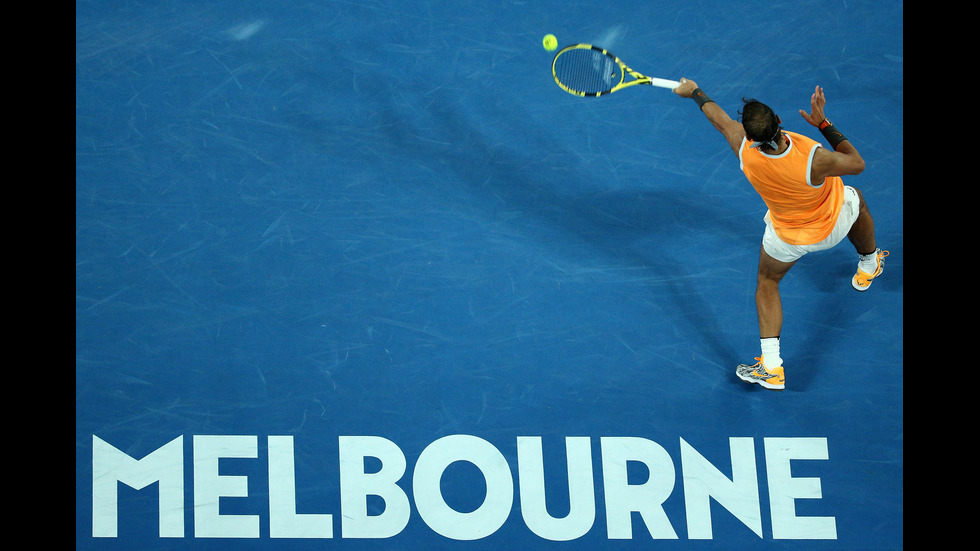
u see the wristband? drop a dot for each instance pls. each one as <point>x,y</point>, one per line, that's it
<point>832,134</point>
<point>700,98</point>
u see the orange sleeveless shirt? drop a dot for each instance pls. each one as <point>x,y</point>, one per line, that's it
<point>802,212</point>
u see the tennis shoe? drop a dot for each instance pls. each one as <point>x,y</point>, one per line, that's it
<point>862,280</point>
<point>773,379</point>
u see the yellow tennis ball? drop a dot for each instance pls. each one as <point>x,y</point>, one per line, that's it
<point>549,42</point>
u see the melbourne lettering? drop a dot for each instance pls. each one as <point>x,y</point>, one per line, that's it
<point>629,508</point>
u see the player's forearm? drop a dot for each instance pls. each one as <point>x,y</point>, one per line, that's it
<point>730,129</point>
<point>852,163</point>
<point>716,116</point>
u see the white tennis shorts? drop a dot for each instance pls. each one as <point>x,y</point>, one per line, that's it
<point>784,252</point>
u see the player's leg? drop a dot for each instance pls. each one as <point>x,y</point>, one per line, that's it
<point>862,232</point>
<point>767,301</point>
<point>768,371</point>
<point>870,257</point>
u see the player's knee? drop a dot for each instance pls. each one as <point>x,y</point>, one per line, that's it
<point>862,206</point>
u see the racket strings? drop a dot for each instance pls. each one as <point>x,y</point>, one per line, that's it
<point>587,71</point>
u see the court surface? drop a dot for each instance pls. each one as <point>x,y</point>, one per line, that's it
<point>360,269</point>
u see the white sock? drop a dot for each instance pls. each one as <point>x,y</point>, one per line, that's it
<point>868,263</point>
<point>770,352</point>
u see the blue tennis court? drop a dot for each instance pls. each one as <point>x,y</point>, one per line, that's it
<point>358,275</point>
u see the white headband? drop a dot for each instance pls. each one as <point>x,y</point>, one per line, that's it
<point>772,141</point>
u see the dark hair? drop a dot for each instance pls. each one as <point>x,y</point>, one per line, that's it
<point>759,121</point>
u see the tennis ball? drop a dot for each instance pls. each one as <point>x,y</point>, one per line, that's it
<point>549,42</point>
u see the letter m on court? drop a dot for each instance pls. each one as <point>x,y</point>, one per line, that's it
<point>110,466</point>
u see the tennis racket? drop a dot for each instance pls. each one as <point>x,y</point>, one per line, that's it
<point>590,71</point>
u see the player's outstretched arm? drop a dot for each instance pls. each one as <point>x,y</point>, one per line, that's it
<point>731,129</point>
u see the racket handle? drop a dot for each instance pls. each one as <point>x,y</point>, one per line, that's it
<point>664,83</point>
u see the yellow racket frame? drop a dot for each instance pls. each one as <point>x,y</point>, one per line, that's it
<point>639,78</point>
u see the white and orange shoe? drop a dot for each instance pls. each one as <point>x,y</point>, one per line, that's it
<point>862,280</point>
<point>771,378</point>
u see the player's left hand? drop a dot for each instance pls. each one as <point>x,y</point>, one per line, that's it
<point>817,103</point>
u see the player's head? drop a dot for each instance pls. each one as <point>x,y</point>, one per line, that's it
<point>761,125</point>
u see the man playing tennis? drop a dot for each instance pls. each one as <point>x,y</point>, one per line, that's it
<point>810,208</point>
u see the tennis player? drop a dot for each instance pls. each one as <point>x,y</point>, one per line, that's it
<point>810,208</point>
